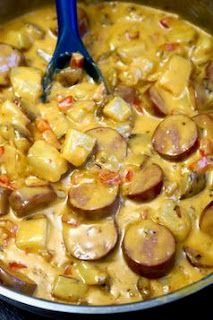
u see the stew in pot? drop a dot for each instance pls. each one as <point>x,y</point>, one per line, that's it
<point>106,198</point>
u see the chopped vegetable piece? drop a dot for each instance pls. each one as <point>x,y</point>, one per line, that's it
<point>56,119</point>
<point>26,83</point>
<point>77,147</point>
<point>66,103</point>
<point>176,75</point>
<point>69,289</point>
<point>11,114</point>
<point>77,60</point>
<point>46,162</point>
<point>90,274</point>
<point>117,109</point>
<point>32,235</point>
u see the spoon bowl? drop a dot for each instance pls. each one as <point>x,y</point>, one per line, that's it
<point>69,42</point>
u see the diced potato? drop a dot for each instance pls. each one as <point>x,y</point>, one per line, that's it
<point>176,76</point>
<point>174,218</point>
<point>203,49</point>
<point>91,275</point>
<point>69,289</point>
<point>131,50</point>
<point>24,37</point>
<point>56,119</point>
<point>46,162</point>
<point>19,39</point>
<point>10,114</point>
<point>33,31</point>
<point>15,163</point>
<point>117,109</point>
<point>32,235</point>
<point>181,33</point>
<point>26,83</point>
<point>77,147</point>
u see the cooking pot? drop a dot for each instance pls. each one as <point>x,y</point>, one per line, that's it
<point>200,12</point>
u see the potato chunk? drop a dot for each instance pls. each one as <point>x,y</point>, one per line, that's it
<point>26,83</point>
<point>77,147</point>
<point>46,162</point>
<point>32,235</point>
<point>69,289</point>
<point>56,119</point>
<point>91,275</point>
<point>10,114</point>
<point>176,76</point>
<point>117,109</point>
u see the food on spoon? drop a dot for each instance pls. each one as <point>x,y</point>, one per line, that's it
<point>176,137</point>
<point>91,241</point>
<point>149,249</point>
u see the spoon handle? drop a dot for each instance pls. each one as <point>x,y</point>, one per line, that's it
<point>67,17</point>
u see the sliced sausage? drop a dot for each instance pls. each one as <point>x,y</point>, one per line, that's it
<point>191,184</point>
<point>149,249</point>
<point>206,219</point>
<point>176,137</point>
<point>127,93</point>
<point>159,105</point>
<point>4,200</point>
<point>204,121</point>
<point>91,241</point>
<point>146,182</point>
<point>16,280</point>
<point>198,258</point>
<point>9,58</point>
<point>110,144</point>
<point>91,196</point>
<point>209,71</point>
<point>27,199</point>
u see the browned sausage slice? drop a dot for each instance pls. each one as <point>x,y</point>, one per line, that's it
<point>24,200</point>
<point>4,200</point>
<point>197,258</point>
<point>91,195</point>
<point>90,241</point>
<point>206,219</point>
<point>149,249</point>
<point>146,183</point>
<point>16,280</point>
<point>175,137</point>
<point>204,121</point>
<point>159,105</point>
<point>110,144</point>
<point>9,58</point>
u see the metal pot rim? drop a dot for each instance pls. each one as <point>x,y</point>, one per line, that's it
<point>26,301</point>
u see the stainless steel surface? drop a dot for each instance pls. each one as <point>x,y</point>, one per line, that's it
<point>199,12</point>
